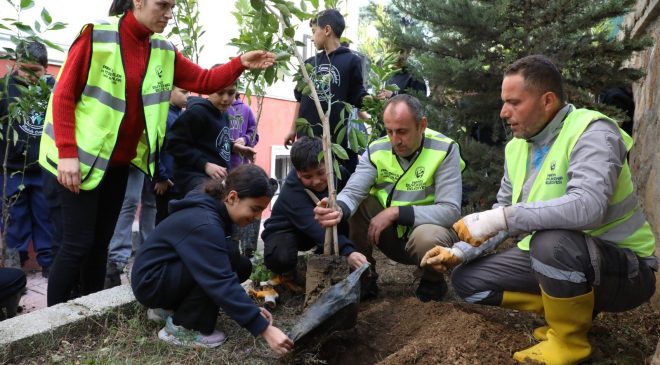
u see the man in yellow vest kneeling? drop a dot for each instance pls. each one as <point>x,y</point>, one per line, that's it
<point>567,186</point>
<point>404,195</point>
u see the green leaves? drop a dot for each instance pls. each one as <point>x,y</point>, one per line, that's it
<point>20,31</point>
<point>339,151</point>
<point>45,17</point>
<point>257,5</point>
<point>188,28</point>
<point>26,4</point>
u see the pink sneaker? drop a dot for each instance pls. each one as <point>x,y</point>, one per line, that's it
<point>180,336</point>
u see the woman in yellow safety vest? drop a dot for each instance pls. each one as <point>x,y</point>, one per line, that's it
<point>109,111</point>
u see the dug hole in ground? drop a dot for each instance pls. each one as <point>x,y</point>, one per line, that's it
<point>396,328</point>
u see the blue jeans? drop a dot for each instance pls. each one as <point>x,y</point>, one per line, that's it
<point>137,188</point>
<point>29,218</point>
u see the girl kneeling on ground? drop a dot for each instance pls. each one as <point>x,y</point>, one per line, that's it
<point>189,267</point>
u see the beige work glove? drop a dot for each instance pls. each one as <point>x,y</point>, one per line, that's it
<point>440,259</point>
<point>476,228</point>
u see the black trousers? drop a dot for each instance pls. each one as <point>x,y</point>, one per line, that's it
<point>11,282</point>
<point>162,204</point>
<point>281,250</point>
<point>176,289</point>
<point>51,192</point>
<point>88,223</point>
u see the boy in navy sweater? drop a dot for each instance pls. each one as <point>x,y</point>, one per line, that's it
<point>291,226</point>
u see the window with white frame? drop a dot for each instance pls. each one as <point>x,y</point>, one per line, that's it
<point>280,166</point>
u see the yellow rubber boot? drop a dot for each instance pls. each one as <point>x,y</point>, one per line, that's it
<point>522,301</point>
<point>529,303</point>
<point>541,333</point>
<point>569,320</point>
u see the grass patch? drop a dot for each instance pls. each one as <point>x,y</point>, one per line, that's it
<point>128,337</point>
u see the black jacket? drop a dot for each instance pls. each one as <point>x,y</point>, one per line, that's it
<point>198,136</point>
<point>195,233</point>
<point>346,85</point>
<point>25,135</point>
<point>294,211</point>
<point>407,84</point>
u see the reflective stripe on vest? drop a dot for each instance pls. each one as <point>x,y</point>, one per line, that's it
<point>414,186</point>
<point>624,222</point>
<point>102,105</point>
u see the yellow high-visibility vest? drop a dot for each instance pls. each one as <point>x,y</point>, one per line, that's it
<point>624,222</point>
<point>101,107</point>
<point>415,185</point>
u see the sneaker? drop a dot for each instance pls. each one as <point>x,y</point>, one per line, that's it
<point>177,335</point>
<point>158,314</point>
<point>431,290</point>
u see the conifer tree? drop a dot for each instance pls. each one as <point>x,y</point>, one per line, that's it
<point>462,47</point>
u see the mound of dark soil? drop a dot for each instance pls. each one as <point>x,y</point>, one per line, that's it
<point>399,329</point>
<point>406,331</point>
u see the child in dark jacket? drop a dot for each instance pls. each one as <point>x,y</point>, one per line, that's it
<point>189,267</point>
<point>200,143</point>
<point>337,75</point>
<point>291,226</point>
<point>165,187</point>
<point>29,219</point>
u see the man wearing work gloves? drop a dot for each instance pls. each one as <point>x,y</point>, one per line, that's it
<point>403,196</point>
<point>566,182</point>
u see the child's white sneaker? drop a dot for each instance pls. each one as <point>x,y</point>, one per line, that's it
<point>180,336</point>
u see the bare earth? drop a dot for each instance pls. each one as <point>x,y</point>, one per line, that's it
<point>395,328</point>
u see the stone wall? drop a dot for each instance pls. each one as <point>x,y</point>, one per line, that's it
<point>645,157</point>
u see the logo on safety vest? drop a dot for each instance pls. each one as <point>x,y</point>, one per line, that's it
<point>553,165</point>
<point>387,175</point>
<point>110,74</point>
<point>419,172</point>
<point>554,179</point>
<point>159,71</point>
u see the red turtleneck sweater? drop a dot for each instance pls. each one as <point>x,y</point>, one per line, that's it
<point>134,39</point>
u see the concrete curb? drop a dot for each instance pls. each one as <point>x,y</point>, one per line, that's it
<point>24,334</point>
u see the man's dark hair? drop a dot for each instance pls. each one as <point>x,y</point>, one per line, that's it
<point>331,17</point>
<point>412,102</point>
<point>32,52</point>
<point>305,153</point>
<point>540,74</point>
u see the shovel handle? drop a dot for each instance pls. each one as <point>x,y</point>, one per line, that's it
<point>331,243</point>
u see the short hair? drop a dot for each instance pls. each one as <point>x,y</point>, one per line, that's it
<point>249,181</point>
<point>305,153</point>
<point>412,102</point>
<point>539,73</point>
<point>331,17</point>
<point>32,52</point>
